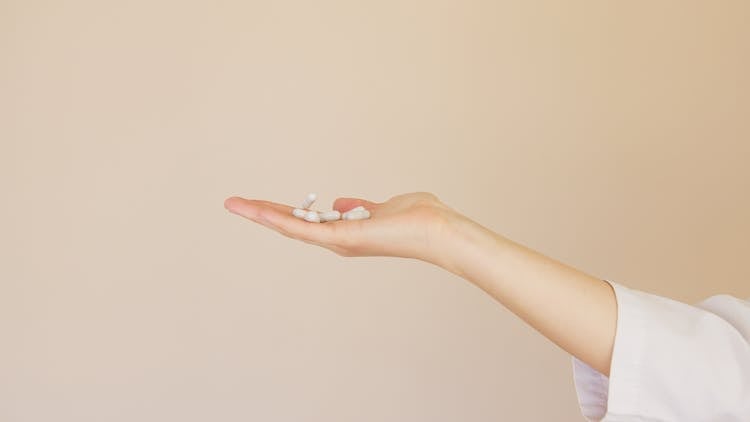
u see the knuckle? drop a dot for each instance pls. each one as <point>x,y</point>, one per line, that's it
<point>429,196</point>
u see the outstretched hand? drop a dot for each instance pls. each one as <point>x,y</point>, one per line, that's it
<point>411,225</point>
<point>557,300</point>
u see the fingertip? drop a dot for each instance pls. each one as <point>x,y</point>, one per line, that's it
<point>233,203</point>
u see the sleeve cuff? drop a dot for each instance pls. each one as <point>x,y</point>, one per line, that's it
<point>592,387</point>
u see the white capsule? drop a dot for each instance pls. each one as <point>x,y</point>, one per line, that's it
<point>299,213</point>
<point>357,215</point>
<point>355,209</point>
<point>330,215</point>
<point>311,197</point>
<point>312,216</point>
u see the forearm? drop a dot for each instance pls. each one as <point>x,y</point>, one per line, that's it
<point>574,310</point>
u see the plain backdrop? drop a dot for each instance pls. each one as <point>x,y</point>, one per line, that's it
<point>613,136</point>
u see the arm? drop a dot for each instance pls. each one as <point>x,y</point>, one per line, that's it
<point>669,360</point>
<point>574,310</point>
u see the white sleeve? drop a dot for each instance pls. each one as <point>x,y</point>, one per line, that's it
<point>672,362</point>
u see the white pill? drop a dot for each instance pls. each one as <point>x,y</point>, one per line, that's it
<point>355,209</point>
<point>312,216</point>
<point>311,197</point>
<point>299,213</point>
<point>357,215</point>
<point>330,215</point>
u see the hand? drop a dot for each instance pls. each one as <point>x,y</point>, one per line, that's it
<point>412,225</point>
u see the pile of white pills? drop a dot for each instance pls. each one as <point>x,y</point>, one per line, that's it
<point>304,212</point>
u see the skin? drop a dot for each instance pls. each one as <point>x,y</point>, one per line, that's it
<point>574,310</point>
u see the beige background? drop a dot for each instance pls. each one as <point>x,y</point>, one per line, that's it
<point>613,136</point>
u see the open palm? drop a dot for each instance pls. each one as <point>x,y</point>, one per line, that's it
<point>408,225</point>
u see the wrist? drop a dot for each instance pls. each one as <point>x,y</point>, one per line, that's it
<point>462,241</point>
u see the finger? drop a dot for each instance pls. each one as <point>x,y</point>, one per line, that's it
<point>241,206</point>
<point>279,217</point>
<point>345,204</point>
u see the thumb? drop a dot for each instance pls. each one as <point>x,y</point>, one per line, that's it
<point>345,204</point>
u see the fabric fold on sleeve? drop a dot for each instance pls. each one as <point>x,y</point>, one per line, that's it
<point>672,362</point>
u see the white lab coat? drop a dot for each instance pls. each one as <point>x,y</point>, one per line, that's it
<point>672,362</point>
